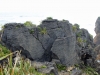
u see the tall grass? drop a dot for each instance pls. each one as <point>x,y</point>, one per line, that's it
<point>18,67</point>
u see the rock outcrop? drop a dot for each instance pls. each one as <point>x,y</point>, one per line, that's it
<point>97,31</point>
<point>97,44</point>
<point>84,45</point>
<point>52,39</point>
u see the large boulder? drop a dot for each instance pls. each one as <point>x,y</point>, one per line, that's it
<point>64,48</point>
<point>63,45</point>
<point>17,37</point>
<point>52,39</point>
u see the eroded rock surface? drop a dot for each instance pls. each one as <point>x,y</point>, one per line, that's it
<point>97,31</point>
<point>52,39</point>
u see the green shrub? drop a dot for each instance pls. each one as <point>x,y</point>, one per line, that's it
<point>29,24</point>
<point>17,26</point>
<point>60,67</point>
<point>49,18</point>
<point>31,31</point>
<point>42,30</point>
<point>79,40</point>
<point>23,68</point>
<point>75,27</point>
<point>84,41</point>
<point>3,50</point>
<point>87,69</point>
<point>63,20</point>
<point>79,34</point>
<point>90,71</point>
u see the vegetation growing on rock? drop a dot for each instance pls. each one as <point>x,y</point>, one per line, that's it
<point>3,50</point>
<point>29,24</point>
<point>75,27</point>
<point>49,18</point>
<point>42,30</point>
<point>59,42</point>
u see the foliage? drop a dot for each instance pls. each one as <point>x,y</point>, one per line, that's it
<point>63,20</point>
<point>31,31</point>
<point>84,41</point>
<point>17,26</point>
<point>87,69</point>
<point>2,28</point>
<point>42,30</point>
<point>22,68</point>
<point>61,67</point>
<point>79,40</point>
<point>43,66</point>
<point>29,24</point>
<point>49,18</point>
<point>90,71</point>
<point>75,27</point>
<point>3,50</point>
<point>79,34</point>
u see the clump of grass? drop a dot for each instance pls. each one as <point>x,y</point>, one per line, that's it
<point>60,67</point>
<point>79,40</point>
<point>3,50</point>
<point>29,24</point>
<point>49,18</point>
<point>88,70</point>
<point>31,31</point>
<point>75,27</point>
<point>24,67</point>
<point>79,34</point>
<point>42,30</point>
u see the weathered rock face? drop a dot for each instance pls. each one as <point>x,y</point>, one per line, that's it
<point>52,39</point>
<point>96,41</point>
<point>84,45</point>
<point>17,37</point>
<point>97,31</point>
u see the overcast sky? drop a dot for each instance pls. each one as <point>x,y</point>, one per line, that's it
<point>83,12</point>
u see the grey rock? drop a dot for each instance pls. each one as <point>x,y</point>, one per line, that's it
<point>84,46</point>
<point>48,69</point>
<point>97,49</point>
<point>97,25</point>
<point>50,24</point>
<point>97,31</point>
<point>76,72</point>
<point>45,40</point>
<point>17,37</point>
<point>67,27</point>
<point>97,39</point>
<point>64,48</point>
<point>59,42</point>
